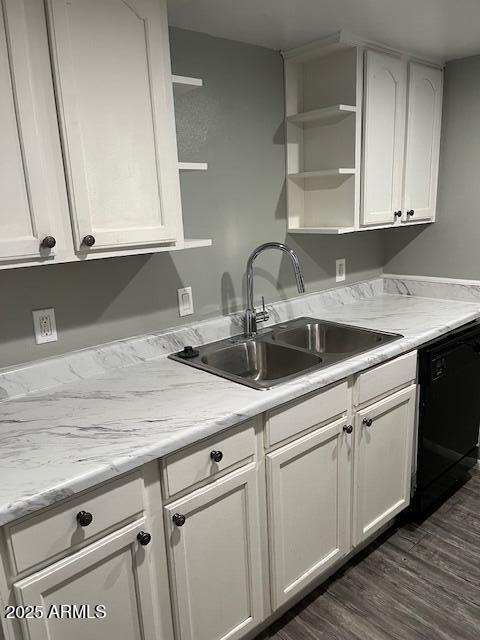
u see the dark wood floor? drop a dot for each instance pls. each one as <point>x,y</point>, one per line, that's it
<point>417,582</point>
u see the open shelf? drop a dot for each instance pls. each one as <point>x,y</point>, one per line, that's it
<point>324,115</point>
<point>193,166</point>
<point>325,230</point>
<point>184,84</point>
<point>325,173</point>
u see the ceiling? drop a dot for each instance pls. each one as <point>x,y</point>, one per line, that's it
<point>443,29</point>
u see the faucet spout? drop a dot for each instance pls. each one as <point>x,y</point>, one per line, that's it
<point>251,316</point>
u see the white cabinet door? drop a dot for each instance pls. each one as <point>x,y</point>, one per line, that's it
<point>424,118</point>
<point>213,540</point>
<point>383,461</point>
<point>308,485</point>
<point>113,572</point>
<point>113,80</point>
<point>24,184</point>
<point>384,133</point>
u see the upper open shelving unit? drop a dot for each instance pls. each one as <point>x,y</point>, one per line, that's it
<point>323,127</point>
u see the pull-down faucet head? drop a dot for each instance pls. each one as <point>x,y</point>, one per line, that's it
<point>252,317</point>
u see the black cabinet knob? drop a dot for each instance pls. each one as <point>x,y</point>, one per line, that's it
<point>48,242</point>
<point>397,214</point>
<point>88,241</point>
<point>84,518</point>
<point>216,456</point>
<point>144,538</point>
<point>411,212</point>
<point>367,422</point>
<point>348,428</point>
<point>178,519</point>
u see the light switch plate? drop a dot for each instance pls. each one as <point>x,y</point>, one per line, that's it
<point>44,325</point>
<point>340,270</point>
<point>185,301</point>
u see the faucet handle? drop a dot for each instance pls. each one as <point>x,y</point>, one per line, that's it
<point>263,315</point>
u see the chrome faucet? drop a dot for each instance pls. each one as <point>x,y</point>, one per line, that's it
<point>252,316</point>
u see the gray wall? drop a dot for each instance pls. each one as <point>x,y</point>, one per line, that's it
<point>450,247</point>
<point>235,124</point>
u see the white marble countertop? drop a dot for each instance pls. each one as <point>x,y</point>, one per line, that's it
<point>59,442</point>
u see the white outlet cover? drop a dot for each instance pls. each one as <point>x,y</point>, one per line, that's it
<point>44,325</point>
<point>185,301</point>
<point>340,270</point>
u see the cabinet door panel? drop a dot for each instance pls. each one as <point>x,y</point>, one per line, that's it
<point>309,508</point>
<point>113,572</point>
<point>423,141</point>
<point>215,560</point>
<point>116,109</point>
<point>384,131</point>
<point>24,210</point>
<point>383,461</point>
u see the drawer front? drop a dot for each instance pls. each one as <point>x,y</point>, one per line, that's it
<point>288,420</point>
<point>208,458</point>
<point>387,377</point>
<point>54,531</point>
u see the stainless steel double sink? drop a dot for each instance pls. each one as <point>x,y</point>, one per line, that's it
<point>284,351</point>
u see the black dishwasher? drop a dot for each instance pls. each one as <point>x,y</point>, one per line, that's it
<point>449,414</point>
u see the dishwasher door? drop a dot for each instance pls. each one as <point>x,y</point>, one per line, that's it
<point>449,412</point>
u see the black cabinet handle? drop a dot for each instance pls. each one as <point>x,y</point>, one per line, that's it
<point>84,518</point>
<point>48,242</point>
<point>178,519</point>
<point>88,241</point>
<point>397,214</point>
<point>144,538</point>
<point>411,212</point>
<point>367,422</point>
<point>348,428</point>
<point>216,456</point>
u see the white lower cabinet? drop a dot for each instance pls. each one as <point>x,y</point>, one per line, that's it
<point>213,540</point>
<point>383,461</point>
<point>308,484</point>
<point>114,572</point>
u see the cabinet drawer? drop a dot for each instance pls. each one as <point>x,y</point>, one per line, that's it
<point>186,468</point>
<point>290,419</point>
<point>54,531</point>
<point>385,378</point>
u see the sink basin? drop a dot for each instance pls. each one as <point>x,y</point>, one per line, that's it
<point>283,352</point>
<point>262,362</point>
<point>325,337</point>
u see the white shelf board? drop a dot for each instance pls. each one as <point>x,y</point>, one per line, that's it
<point>184,84</point>
<point>193,244</point>
<point>325,115</point>
<point>193,166</point>
<point>325,173</point>
<point>324,230</point>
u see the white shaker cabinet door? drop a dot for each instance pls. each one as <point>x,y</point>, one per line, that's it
<point>425,85</point>
<point>113,572</point>
<point>384,133</point>
<point>213,542</point>
<point>383,461</point>
<point>309,508</point>
<point>24,184</point>
<point>115,102</point>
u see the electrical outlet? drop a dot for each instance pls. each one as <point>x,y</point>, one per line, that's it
<point>340,270</point>
<point>185,301</point>
<point>44,325</point>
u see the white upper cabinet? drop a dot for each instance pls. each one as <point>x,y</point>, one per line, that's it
<point>363,127</point>
<point>115,102</point>
<point>423,142</point>
<point>24,180</point>
<point>384,133</point>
